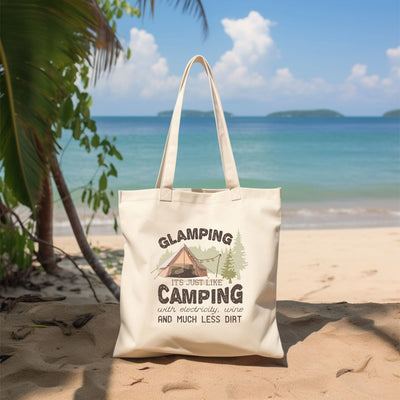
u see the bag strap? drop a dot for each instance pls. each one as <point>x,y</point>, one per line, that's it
<point>167,170</point>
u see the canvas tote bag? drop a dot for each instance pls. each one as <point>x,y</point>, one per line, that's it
<point>199,272</point>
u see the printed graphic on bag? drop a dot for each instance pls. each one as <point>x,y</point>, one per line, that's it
<point>203,284</point>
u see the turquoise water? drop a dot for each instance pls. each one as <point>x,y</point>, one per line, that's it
<point>333,172</point>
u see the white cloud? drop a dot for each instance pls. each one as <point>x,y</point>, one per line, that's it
<point>283,79</point>
<point>391,83</point>
<point>146,74</point>
<point>245,70</point>
<point>243,67</point>
<point>359,76</point>
<point>394,55</point>
<point>359,85</point>
<point>244,73</point>
<point>284,83</point>
<point>238,68</point>
<point>251,38</point>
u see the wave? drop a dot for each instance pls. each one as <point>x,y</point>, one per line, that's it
<point>310,216</point>
<point>318,216</point>
<point>312,212</point>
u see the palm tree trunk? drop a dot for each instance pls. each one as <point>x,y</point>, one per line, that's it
<point>80,236</point>
<point>44,226</point>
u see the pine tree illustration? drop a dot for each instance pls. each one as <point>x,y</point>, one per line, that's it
<point>228,270</point>
<point>239,255</point>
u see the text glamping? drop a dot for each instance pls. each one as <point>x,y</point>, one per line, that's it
<point>196,234</point>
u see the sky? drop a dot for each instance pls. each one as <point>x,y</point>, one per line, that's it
<point>266,56</point>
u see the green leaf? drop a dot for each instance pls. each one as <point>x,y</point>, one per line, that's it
<point>67,111</point>
<point>90,197</point>
<point>58,131</point>
<point>6,194</point>
<point>120,13</point>
<point>106,6</point>
<point>84,109</point>
<point>109,15</point>
<point>85,143</point>
<point>91,125</point>
<point>85,81</point>
<point>112,171</point>
<point>103,182</point>
<point>128,53</point>
<point>137,12</point>
<point>96,201</point>
<point>96,250</point>
<point>117,154</point>
<point>84,70</point>
<point>100,159</point>
<point>126,6</point>
<point>70,73</point>
<point>95,140</point>
<point>106,204</point>
<point>77,129</point>
<point>19,153</point>
<point>30,247</point>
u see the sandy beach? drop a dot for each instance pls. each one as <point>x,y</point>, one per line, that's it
<point>338,315</point>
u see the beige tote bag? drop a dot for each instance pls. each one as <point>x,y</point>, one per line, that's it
<point>199,273</point>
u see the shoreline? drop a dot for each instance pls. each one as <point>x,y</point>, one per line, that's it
<point>106,231</point>
<point>344,214</point>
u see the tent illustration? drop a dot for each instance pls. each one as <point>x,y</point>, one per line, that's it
<point>183,264</point>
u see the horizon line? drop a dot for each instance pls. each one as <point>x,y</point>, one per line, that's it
<point>246,116</point>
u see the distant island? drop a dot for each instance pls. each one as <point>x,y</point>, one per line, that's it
<point>192,113</point>
<point>392,113</point>
<point>322,113</point>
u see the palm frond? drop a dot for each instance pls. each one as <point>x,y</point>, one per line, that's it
<point>107,46</point>
<point>38,39</point>
<point>194,7</point>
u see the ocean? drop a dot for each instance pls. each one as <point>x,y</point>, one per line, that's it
<point>334,172</point>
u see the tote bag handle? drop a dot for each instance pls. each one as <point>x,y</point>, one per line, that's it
<point>165,178</point>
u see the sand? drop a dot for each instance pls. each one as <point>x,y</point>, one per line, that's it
<point>338,313</point>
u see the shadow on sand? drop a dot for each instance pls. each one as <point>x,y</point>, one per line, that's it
<point>34,366</point>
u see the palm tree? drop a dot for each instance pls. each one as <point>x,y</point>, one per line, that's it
<point>39,39</point>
